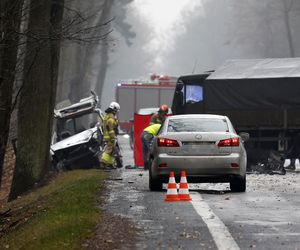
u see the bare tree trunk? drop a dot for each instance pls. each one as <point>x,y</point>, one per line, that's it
<point>57,7</point>
<point>38,94</point>
<point>89,60</point>
<point>9,25</point>
<point>104,57</point>
<point>71,67</point>
<point>83,62</point>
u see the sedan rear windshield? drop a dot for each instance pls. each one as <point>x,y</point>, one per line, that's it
<point>198,125</point>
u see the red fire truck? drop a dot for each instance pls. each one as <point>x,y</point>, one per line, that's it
<point>135,95</point>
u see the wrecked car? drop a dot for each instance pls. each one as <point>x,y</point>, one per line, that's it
<point>77,137</point>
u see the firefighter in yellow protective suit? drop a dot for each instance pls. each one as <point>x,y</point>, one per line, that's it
<point>110,127</point>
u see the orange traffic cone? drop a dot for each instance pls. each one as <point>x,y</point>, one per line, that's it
<point>184,194</point>
<point>172,194</point>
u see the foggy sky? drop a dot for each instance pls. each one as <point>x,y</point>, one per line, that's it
<point>189,36</point>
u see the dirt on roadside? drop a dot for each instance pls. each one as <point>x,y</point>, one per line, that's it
<point>114,231</point>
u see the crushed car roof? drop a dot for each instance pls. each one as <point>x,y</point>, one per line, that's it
<point>84,106</point>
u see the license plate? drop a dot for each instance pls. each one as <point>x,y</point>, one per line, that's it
<point>199,149</point>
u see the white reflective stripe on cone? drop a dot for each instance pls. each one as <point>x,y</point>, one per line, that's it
<point>172,180</point>
<point>183,191</point>
<point>172,191</point>
<point>183,180</point>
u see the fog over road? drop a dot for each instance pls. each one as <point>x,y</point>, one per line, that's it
<point>267,216</point>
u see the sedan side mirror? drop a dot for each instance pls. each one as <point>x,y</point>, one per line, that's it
<point>245,136</point>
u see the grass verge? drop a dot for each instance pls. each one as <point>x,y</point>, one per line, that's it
<point>57,216</point>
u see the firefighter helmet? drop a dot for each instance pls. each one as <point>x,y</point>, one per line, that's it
<point>114,106</point>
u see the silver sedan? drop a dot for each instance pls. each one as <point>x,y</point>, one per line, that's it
<point>206,146</point>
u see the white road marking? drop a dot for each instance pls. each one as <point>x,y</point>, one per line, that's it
<point>216,227</point>
<point>264,223</point>
<point>277,234</point>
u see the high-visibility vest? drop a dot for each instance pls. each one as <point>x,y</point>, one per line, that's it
<point>153,129</point>
<point>109,126</point>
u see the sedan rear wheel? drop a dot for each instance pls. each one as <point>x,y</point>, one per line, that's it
<point>238,184</point>
<point>154,184</point>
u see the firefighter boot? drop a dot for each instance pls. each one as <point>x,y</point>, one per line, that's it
<point>292,165</point>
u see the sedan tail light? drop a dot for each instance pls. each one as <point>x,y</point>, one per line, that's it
<point>231,142</point>
<point>163,142</point>
<point>163,165</point>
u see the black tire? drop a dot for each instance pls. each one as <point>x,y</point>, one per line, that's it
<point>119,162</point>
<point>61,166</point>
<point>154,184</point>
<point>238,184</point>
<point>96,162</point>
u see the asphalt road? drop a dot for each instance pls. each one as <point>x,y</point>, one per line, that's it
<point>267,216</point>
